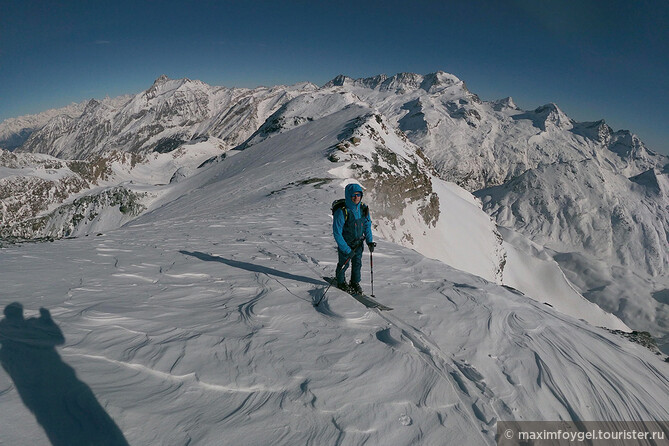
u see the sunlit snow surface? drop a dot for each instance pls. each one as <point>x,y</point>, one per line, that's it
<point>195,325</point>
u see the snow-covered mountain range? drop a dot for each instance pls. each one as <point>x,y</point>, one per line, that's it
<point>160,119</point>
<point>202,222</point>
<point>596,198</point>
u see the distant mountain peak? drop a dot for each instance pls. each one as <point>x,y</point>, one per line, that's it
<point>548,109</point>
<point>439,80</point>
<point>338,81</point>
<point>161,79</point>
<point>551,114</point>
<point>368,82</point>
<point>164,83</point>
<point>400,82</point>
<point>157,85</point>
<point>597,131</point>
<point>91,105</point>
<point>506,103</point>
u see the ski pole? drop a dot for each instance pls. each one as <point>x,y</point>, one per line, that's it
<point>326,290</point>
<point>371,269</point>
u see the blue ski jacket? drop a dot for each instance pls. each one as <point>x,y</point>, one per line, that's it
<point>347,231</point>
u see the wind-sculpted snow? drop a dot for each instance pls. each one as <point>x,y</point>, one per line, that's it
<point>195,323</point>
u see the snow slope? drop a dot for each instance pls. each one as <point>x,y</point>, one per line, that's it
<point>195,324</point>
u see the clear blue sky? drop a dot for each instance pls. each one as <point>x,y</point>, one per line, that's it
<point>595,59</point>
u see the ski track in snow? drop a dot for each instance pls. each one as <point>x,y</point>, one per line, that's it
<point>195,325</point>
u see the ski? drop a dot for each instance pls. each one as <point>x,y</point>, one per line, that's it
<point>364,299</point>
<point>370,302</point>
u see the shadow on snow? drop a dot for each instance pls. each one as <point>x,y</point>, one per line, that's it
<point>64,406</point>
<point>254,268</point>
<point>316,294</point>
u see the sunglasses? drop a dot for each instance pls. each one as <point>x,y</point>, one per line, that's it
<point>357,194</point>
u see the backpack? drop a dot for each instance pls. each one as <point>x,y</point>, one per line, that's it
<point>341,204</point>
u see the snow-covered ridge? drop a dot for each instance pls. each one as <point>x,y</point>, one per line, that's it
<point>478,144</point>
<point>412,205</point>
<point>304,108</point>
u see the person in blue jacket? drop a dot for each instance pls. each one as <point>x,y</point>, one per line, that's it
<point>351,226</point>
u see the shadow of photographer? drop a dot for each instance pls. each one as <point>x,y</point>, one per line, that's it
<point>64,406</point>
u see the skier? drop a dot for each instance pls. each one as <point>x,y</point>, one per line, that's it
<point>351,226</point>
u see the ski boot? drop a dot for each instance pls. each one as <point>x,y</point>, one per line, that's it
<point>355,288</point>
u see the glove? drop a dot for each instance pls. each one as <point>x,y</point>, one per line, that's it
<point>371,246</point>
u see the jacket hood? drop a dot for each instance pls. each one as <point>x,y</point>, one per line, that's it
<point>349,191</point>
